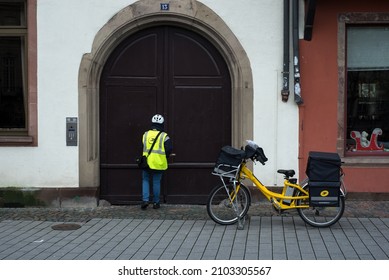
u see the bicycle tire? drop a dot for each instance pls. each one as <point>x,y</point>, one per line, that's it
<point>319,216</point>
<point>221,209</point>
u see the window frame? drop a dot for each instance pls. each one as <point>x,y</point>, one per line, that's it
<point>27,136</point>
<point>345,20</point>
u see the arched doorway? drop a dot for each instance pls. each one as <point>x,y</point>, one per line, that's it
<point>180,74</point>
<point>198,18</point>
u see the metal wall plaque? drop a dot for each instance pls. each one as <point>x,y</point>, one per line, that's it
<point>165,7</point>
<point>71,131</point>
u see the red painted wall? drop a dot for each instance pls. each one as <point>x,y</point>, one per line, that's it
<point>319,89</point>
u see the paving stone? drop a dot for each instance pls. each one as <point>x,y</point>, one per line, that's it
<point>186,232</point>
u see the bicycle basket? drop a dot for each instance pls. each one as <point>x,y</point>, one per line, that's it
<point>228,162</point>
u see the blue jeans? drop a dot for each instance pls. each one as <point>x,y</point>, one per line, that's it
<point>154,177</point>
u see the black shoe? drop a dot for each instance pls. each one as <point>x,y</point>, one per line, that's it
<point>144,205</point>
<point>156,205</point>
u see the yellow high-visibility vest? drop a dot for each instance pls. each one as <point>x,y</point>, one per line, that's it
<point>157,159</point>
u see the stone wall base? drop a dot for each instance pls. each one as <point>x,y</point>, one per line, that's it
<point>49,197</point>
<point>89,197</point>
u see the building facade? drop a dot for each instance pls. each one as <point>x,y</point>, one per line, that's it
<point>89,76</point>
<point>344,69</point>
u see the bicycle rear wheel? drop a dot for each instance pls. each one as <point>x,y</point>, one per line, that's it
<point>319,216</point>
<point>224,206</point>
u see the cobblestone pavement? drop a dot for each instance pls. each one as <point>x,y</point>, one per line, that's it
<point>354,208</point>
<point>185,232</point>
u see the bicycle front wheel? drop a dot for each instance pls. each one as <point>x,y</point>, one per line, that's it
<point>225,205</point>
<point>319,216</point>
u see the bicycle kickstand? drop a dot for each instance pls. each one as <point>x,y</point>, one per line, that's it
<point>241,222</point>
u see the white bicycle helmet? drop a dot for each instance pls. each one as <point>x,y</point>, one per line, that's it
<point>157,119</point>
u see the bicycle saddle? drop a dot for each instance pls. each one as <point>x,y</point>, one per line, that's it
<point>288,173</point>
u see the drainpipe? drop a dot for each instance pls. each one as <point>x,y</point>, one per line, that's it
<point>296,63</point>
<point>285,72</point>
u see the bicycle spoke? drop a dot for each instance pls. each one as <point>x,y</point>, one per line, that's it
<point>320,216</point>
<point>225,205</point>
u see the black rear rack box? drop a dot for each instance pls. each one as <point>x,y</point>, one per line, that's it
<point>323,167</point>
<point>323,171</point>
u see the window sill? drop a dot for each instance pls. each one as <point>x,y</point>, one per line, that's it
<point>16,141</point>
<point>366,160</point>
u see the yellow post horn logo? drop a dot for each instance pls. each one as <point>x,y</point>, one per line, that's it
<point>324,193</point>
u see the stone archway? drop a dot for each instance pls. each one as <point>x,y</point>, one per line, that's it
<point>145,13</point>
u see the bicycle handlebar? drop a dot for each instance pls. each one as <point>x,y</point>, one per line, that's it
<point>255,154</point>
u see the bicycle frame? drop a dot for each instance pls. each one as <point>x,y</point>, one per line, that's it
<point>278,199</point>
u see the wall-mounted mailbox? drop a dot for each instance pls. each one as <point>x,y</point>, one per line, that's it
<point>71,131</point>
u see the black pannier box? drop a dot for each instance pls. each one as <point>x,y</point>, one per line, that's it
<point>323,166</point>
<point>324,194</point>
<point>323,171</point>
<point>228,161</point>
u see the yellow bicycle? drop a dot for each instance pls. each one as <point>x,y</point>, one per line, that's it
<point>318,203</point>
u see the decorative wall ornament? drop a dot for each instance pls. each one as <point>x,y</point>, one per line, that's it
<point>362,142</point>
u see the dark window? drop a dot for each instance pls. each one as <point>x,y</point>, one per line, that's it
<point>13,61</point>
<point>367,89</point>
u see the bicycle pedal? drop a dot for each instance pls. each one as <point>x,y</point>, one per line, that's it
<point>278,210</point>
<point>276,204</point>
<point>277,207</point>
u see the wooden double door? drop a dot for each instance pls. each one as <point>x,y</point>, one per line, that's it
<point>181,75</point>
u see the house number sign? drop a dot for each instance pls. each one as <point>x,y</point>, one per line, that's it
<point>164,6</point>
